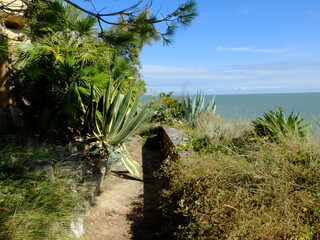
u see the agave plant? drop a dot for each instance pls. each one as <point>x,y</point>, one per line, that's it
<point>273,124</point>
<point>117,122</point>
<point>193,107</point>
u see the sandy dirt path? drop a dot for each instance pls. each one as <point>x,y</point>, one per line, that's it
<point>127,208</point>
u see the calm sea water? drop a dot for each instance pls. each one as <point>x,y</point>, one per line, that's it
<point>248,106</point>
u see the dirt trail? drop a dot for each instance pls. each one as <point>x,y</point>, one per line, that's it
<point>127,208</point>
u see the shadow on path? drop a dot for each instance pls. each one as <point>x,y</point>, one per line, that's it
<point>146,216</point>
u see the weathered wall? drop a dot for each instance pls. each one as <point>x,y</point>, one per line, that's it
<point>11,26</point>
<point>171,139</point>
<point>11,15</point>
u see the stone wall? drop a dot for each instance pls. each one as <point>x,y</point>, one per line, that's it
<point>12,23</point>
<point>171,140</point>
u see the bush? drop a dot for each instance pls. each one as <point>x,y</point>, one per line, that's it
<point>276,125</point>
<point>210,132</point>
<point>167,109</point>
<point>194,107</point>
<point>270,191</point>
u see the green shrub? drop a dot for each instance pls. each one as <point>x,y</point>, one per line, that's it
<point>119,119</point>
<point>194,107</point>
<point>275,124</point>
<point>168,109</point>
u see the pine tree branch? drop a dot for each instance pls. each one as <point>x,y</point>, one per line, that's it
<point>177,15</point>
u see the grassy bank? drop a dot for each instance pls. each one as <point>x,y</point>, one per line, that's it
<point>34,203</point>
<point>238,185</point>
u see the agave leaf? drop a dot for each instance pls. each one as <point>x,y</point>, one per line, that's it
<point>123,109</point>
<point>106,103</point>
<point>197,102</point>
<point>112,113</point>
<point>190,107</point>
<point>275,124</point>
<point>194,105</point>
<point>200,103</point>
<point>186,106</point>
<point>90,113</point>
<point>131,113</point>
<point>211,106</point>
<point>132,166</point>
<point>130,127</point>
<point>76,91</point>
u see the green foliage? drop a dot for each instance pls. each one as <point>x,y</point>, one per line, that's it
<point>132,166</point>
<point>55,78</point>
<point>34,204</point>
<point>73,82</point>
<point>56,74</point>
<point>119,117</point>
<point>253,190</point>
<point>56,71</point>
<point>46,16</point>
<point>118,120</point>
<point>128,40</point>
<point>275,124</point>
<point>193,107</point>
<point>167,109</point>
<point>137,28</point>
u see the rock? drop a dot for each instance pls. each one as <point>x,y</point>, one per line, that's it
<point>59,152</point>
<point>76,227</point>
<point>44,168</point>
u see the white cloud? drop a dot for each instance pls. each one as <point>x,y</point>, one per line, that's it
<point>178,73</point>
<point>253,49</point>
<point>273,77</point>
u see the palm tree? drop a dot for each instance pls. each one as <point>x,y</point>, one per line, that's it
<point>45,17</point>
<point>58,71</point>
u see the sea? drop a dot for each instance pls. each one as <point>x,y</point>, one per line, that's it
<point>245,107</point>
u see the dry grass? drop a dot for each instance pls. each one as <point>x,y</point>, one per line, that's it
<point>255,189</point>
<point>216,127</point>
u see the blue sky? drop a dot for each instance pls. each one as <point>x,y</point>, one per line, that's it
<point>237,47</point>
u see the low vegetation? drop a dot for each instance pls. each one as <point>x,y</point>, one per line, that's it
<point>167,109</point>
<point>238,185</point>
<point>193,107</point>
<point>275,125</point>
<point>35,203</point>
